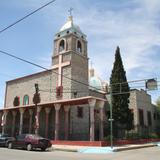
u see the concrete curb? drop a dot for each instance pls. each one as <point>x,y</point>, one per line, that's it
<point>115,149</point>
<point>66,150</point>
<point>134,147</point>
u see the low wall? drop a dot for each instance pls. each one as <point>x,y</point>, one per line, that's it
<point>104,143</point>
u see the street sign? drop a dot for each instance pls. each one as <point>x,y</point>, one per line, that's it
<point>151,84</point>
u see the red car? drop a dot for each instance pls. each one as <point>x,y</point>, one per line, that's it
<point>29,142</point>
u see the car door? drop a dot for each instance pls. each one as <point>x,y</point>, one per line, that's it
<point>20,141</point>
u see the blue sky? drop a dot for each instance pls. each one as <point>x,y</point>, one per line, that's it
<point>132,24</point>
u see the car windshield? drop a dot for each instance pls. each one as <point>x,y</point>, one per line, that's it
<point>4,135</point>
<point>35,136</point>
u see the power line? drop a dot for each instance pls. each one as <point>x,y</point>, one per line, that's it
<point>21,59</point>
<point>37,65</point>
<point>21,19</point>
<point>26,61</point>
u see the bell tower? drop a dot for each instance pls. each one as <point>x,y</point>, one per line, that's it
<point>70,61</point>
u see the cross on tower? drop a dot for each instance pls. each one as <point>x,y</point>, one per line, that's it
<point>70,11</point>
<point>60,65</point>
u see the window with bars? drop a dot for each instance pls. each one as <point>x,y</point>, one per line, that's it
<point>141,117</point>
<point>149,118</point>
<point>59,91</point>
<point>80,112</point>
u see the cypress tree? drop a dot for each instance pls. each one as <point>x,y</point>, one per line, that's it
<point>122,115</point>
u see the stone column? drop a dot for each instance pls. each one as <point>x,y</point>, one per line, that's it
<point>47,110</point>
<point>57,108</point>
<point>101,116</point>
<point>21,110</point>
<point>37,119</point>
<point>4,118</point>
<point>92,103</point>
<point>66,109</point>
<point>30,120</point>
<point>14,113</point>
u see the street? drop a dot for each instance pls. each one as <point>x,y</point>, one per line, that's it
<point>15,154</point>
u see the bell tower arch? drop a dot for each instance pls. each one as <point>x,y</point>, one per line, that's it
<point>70,47</point>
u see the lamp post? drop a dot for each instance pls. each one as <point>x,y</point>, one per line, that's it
<point>111,118</point>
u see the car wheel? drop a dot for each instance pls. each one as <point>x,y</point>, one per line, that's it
<point>10,145</point>
<point>29,147</point>
<point>43,149</point>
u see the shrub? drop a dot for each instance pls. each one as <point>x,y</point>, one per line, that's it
<point>108,138</point>
<point>132,135</point>
<point>153,135</point>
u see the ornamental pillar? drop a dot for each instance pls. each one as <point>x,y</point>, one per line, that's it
<point>14,113</point>
<point>57,108</point>
<point>4,118</point>
<point>21,110</point>
<point>30,120</point>
<point>66,109</point>
<point>38,110</point>
<point>100,105</point>
<point>47,110</point>
<point>92,103</point>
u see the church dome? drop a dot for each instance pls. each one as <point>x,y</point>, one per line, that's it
<point>69,24</point>
<point>96,83</point>
<point>70,27</point>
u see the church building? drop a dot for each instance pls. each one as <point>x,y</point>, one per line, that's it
<point>57,103</point>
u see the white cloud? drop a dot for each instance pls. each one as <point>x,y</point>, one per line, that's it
<point>134,29</point>
<point>131,29</point>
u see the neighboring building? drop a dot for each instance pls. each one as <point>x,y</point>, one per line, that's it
<point>145,113</point>
<point>68,109</point>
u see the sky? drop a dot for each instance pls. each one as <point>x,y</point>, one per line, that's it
<point>133,25</point>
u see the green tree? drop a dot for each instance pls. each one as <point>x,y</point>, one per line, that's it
<point>158,105</point>
<point>122,115</point>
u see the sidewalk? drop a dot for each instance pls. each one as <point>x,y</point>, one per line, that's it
<point>84,149</point>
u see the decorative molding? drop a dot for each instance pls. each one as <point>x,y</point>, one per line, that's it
<point>66,108</point>
<point>47,110</point>
<point>100,104</point>
<point>57,106</point>
<point>92,102</point>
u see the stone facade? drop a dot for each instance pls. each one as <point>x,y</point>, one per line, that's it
<point>140,101</point>
<point>66,109</point>
<point>25,86</point>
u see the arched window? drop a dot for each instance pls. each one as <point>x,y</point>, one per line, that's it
<point>79,46</point>
<point>26,100</point>
<point>16,101</point>
<point>61,45</point>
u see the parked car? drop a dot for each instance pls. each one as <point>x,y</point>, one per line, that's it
<point>29,142</point>
<point>4,138</point>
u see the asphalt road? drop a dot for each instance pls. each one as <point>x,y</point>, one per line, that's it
<point>139,154</point>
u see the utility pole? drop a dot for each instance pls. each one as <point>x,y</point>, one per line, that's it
<point>111,118</point>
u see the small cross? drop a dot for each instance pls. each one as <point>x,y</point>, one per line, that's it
<point>70,11</point>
